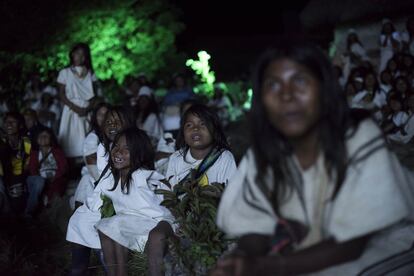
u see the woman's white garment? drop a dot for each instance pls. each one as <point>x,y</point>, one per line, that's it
<point>387,51</point>
<point>405,36</point>
<point>357,50</point>
<point>372,198</point>
<point>409,131</point>
<point>89,172</point>
<point>221,171</point>
<point>137,213</point>
<point>73,128</point>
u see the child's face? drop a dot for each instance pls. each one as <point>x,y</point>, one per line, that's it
<point>78,57</point>
<point>112,126</point>
<point>401,85</point>
<point>29,120</point>
<point>43,139</point>
<point>196,133</point>
<point>395,105</point>
<point>143,102</point>
<point>370,81</point>
<point>120,154</point>
<point>11,126</point>
<point>386,78</point>
<point>290,95</point>
<point>100,115</point>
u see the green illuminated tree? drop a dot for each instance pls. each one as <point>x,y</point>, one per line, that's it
<point>126,37</point>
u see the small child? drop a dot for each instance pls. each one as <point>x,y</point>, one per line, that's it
<point>90,172</point>
<point>116,119</point>
<point>48,168</point>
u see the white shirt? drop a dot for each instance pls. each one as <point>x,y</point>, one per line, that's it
<point>221,171</point>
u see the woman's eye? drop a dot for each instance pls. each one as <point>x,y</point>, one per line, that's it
<point>300,79</point>
<point>272,85</point>
<point>187,125</point>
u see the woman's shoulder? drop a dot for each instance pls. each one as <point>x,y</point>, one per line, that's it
<point>365,137</point>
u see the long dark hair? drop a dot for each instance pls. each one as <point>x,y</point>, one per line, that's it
<point>151,108</point>
<point>270,147</point>
<point>125,115</point>
<point>141,155</point>
<point>212,122</point>
<point>53,139</point>
<point>94,127</point>
<point>86,51</point>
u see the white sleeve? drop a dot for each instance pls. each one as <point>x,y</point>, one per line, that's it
<point>370,198</point>
<point>227,167</point>
<point>243,208</point>
<point>90,144</point>
<point>62,77</point>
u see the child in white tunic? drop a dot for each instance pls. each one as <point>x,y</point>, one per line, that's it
<point>81,231</point>
<point>319,184</point>
<point>75,90</point>
<point>90,172</point>
<point>202,147</point>
<point>131,190</point>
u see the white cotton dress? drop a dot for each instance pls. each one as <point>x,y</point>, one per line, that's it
<point>220,172</point>
<point>376,197</point>
<point>73,128</point>
<point>89,172</point>
<point>137,213</point>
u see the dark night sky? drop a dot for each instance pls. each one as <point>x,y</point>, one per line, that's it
<point>234,32</point>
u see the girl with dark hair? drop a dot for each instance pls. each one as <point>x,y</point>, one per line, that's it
<point>372,97</point>
<point>14,153</point>
<point>90,172</point>
<point>315,186</point>
<point>355,54</point>
<point>48,168</point>
<point>130,189</point>
<point>389,43</point>
<point>116,119</point>
<point>147,114</point>
<point>201,137</point>
<point>75,91</point>
<point>202,147</point>
<point>136,205</point>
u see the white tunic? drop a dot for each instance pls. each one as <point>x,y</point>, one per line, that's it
<point>387,51</point>
<point>73,128</point>
<point>89,172</point>
<point>373,197</point>
<point>221,171</point>
<point>153,128</point>
<point>137,213</point>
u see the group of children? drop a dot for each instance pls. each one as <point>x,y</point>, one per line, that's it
<point>388,89</point>
<point>125,161</point>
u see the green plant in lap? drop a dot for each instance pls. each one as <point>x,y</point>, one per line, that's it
<point>200,242</point>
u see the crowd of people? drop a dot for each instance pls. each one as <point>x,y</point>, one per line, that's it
<point>318,191</point>
<point>386,89</point>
